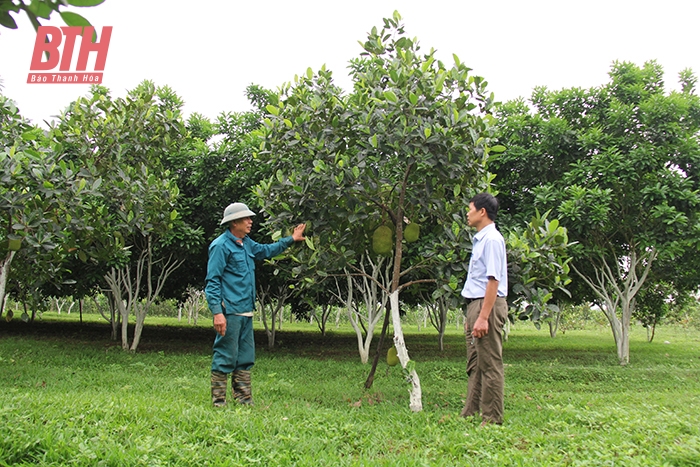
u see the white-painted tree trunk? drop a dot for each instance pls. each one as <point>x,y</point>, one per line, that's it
<point>416,399</point>
<point>120,282</point>
<point>4,273</point>
<point>117,286</point>
<point>373,298</point>
<point>276,307</point>
<point>140,310</point>
<point>195,302</point>
<point>617,290</point>
<point>350,309</point>
<point>436,310</point>
<point>61,303</point>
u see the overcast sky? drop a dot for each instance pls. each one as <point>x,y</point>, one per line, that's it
<point>209,51</point>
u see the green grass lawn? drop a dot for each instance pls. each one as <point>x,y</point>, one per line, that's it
<point>70,396</point>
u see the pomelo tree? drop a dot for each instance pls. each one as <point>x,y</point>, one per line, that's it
<point>619,165</point>
<point>408,144</point>
<point>135,229</point>
<point>42,198</point>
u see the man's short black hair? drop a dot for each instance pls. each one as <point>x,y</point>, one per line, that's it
<point>488,202</point>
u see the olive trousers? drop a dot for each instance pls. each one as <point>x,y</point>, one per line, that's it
<point>486,380</point>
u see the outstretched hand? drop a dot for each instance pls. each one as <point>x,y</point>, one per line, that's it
<point>298,233</point>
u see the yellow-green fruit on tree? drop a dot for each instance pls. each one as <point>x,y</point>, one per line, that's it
<point>382,240</point>
<point>14,244</point>
<point>392,358</point>
<point>412,232</point>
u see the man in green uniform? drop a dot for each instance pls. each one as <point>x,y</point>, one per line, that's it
<point>230,290</point>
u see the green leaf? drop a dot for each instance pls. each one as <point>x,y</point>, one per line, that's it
<point>427,132</point>
<point>439,81</point>
<point>498,148</point>
<point>74,19</point>
<point>41,9</point>
<point>173,215</point>
<point>84,3</point>
<point>319,166</point>
<point>394,75</point>
<point>410,366</point>
<point>272,109</point>
<point>7,20</point>
<point>373,141</point>
<point>390,96</point>
<point>310,243</point>
<point>553,226</point>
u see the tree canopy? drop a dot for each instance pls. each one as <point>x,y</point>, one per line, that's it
<point>618,164</point>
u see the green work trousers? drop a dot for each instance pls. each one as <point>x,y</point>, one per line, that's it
<point>235,350</point>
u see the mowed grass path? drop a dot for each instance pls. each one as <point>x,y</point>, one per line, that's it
<point>70,396</point>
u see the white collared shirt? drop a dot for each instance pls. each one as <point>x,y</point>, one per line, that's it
<point>488,260</point>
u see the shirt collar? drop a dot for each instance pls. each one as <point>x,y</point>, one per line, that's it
<point>233,237</point>
<point>482,233</point>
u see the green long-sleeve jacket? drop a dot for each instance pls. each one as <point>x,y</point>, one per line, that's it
<point>231,271</point>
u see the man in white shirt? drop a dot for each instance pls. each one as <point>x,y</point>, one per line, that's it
<point>485,289</point>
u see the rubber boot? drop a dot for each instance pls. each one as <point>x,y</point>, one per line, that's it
<point>240,380</point>
<point>218,388</point>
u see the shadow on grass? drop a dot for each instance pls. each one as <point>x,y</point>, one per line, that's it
<point>587,348</point>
